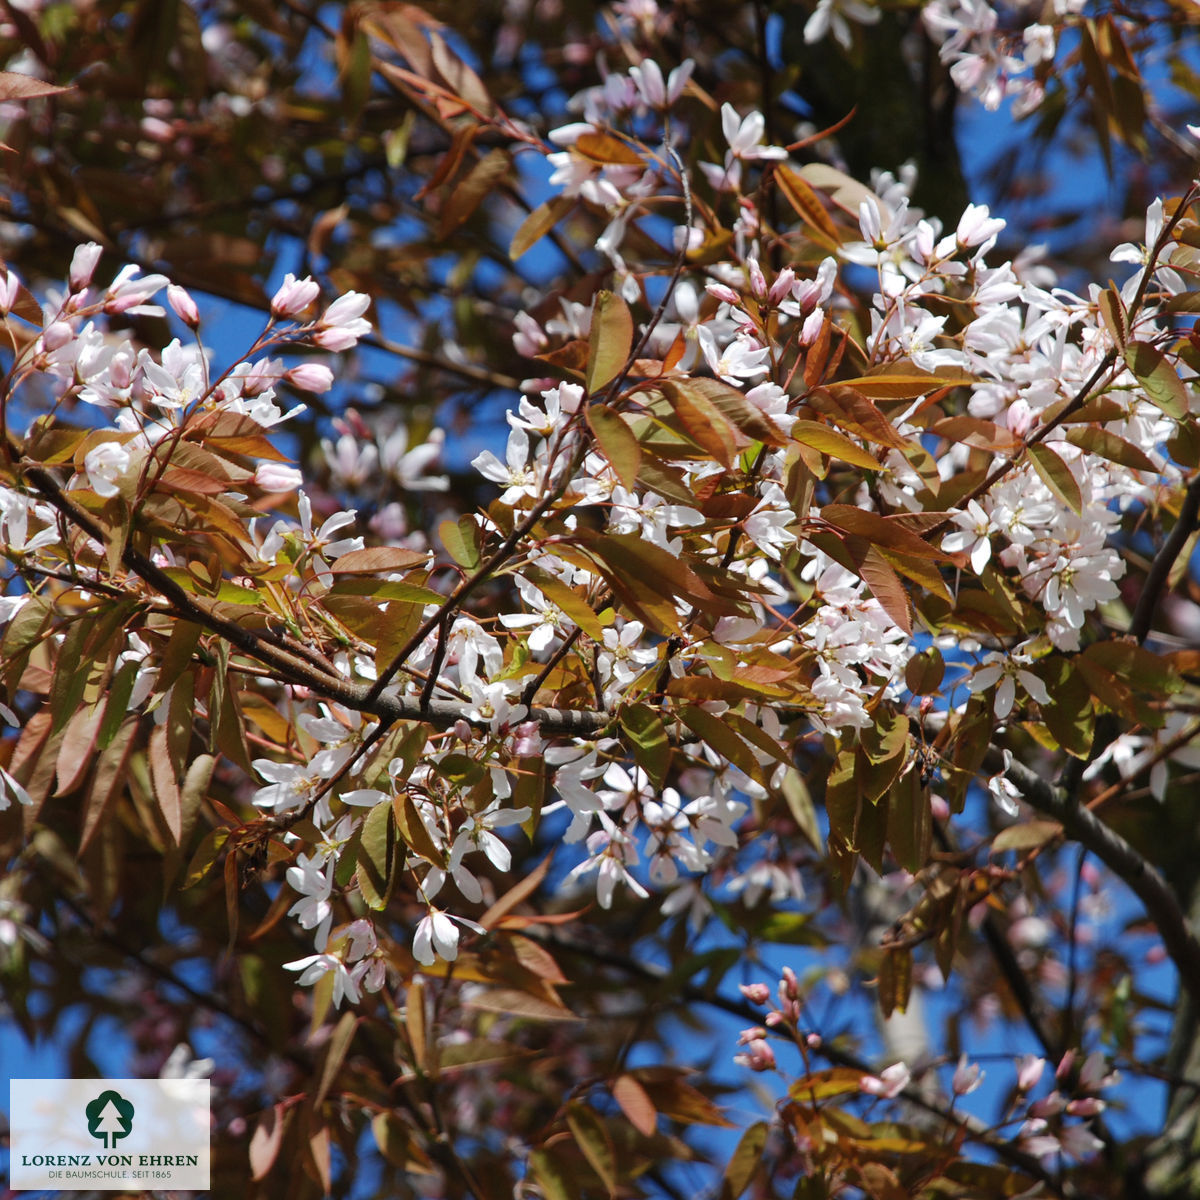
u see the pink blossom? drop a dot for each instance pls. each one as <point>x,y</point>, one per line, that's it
<point>745,135</point>
<point>128,294</point>
<point>310,377</point>
<point>343,323</point>
<point>966,1078</point>
<point>756,993</point>
<point>56,335</point>
<point>1029,1072</point>
<point>889,1083</point>
<point>183,305</point>
<point>294,296</point>
<point>10,287</point>
<point>277,477</point>
<point>758,1055</point>
<point>83,265</point>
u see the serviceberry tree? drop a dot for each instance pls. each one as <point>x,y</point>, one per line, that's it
<point>534,532</point>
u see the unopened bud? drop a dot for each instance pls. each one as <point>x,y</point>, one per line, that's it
<point>183,305</point>
<point>756,993</point>
<point>83,265</point>
<point>56,335</point>
<point>311,377</point>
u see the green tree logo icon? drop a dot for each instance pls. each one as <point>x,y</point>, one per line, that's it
<point>109,1117</point>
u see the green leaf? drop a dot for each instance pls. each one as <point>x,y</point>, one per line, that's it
<point>1069,715</point>
<point>335,1055</point>
<point>800,804</point>
<point>910,822</point>
<point>539,223</point>
<point>904,384</point>
<point>471,191</point>
<point>591,1136</point>
<point>553,1178</point>
<point>617,443</point>
<point>808,207</point>
<point>412,829</point>
<point>1056,475</point>
<point>384,589</point>
<point>1025,836</point>
<point>825,1084</point>
<point>836,445</point>
<point>923,675</point>
<point>1112,313</point>
<point>461,539</point>
<point>646,731</point>
<point>1136,665</point>
<point>376,857</point>
<point>165,781</point>
<point>1160,381</point>
<point>713,730</point>
<point>194,790</point>
<point>206,856</point>
<point>116,708</point>
<point>609,342</point>
<point>567,599</point>
<point>704,422</point>
<point>1108,445</point>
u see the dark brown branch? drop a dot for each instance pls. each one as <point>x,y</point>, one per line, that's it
<point>1164,560</point>
<point>1140,875</point>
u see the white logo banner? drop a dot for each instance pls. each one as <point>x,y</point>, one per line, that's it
<point>109,1134</point>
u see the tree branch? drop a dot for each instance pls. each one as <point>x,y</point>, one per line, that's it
<point>1141,876</point>
<point>1164,560</point>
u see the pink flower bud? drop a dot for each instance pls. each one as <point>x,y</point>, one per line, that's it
<point>789,985</point>
<point>1088,1106</point>
<point>811,329</point>
<point>294,296</point>
<point>56,335</point>
<point>756,993</point>
<point>782,285</point>
<point>721,292</point>
<point>1065,1065</point>
<point>758,1057</point>
<point>311,377</point>
<point>1029,1071</point>
<point>10,287</point>
<point>277,477</point>
<point>966,1077</point>
<point>888,1084</point>
<point>83,265</point>
<point>183,305</point>
<point>346,309</point>
<point>758,281</point>
<point>528,739</point>
<point>1048,1106</point>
